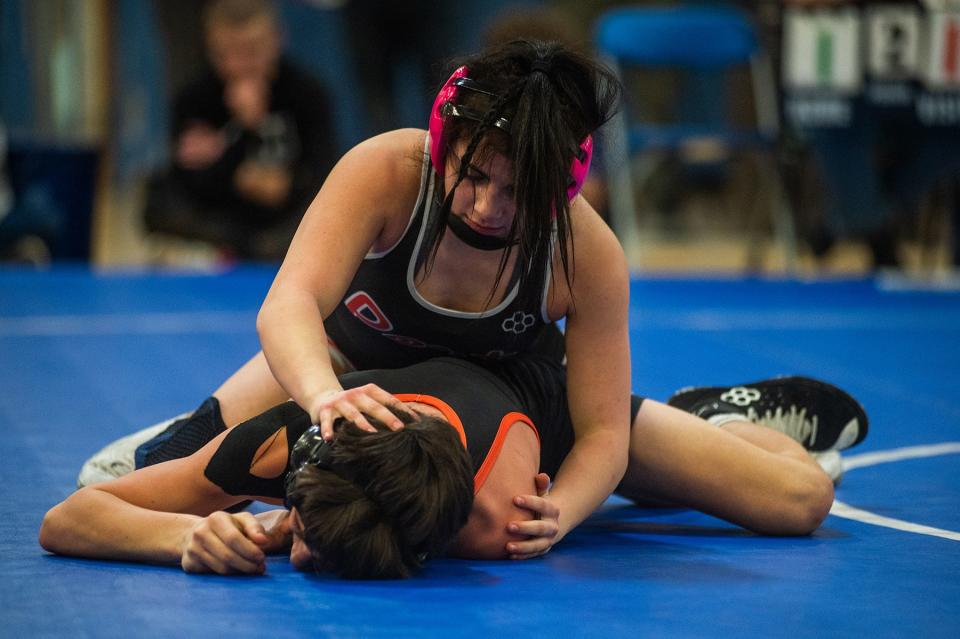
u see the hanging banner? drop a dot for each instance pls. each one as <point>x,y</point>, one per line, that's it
<point>939,103</point>
<point>822,50</point>
<point>943,54</point>
<point>893,42</point>
<point>940,5</point>
<point>893,53</point>
<point>822,65</point>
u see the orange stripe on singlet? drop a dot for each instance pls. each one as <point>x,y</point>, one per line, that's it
<point>508,421</point>
<point>448,413</point>
<point>502,430</point>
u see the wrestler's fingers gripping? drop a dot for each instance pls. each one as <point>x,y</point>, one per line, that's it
<point>535,528</point>
<point>276,530</point>
<point>541,535</point>
<point>229,544</point>
<point>391,403</point>
<point>541,531</point>
<point>542,482</point>
<point>222,559</point>
<point>356,403</point>
<point>348,409</point>
<point>539,506</point>
<point>533,547</point>
<point>196,560</point>
<point>377,403</point>
<point>251,527</point>
<point>251,537</point>
<point>325,421</point>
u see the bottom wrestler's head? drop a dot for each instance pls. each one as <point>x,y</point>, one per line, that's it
<point>375,505</point>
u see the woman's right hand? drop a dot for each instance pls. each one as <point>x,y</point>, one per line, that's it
<point>353,405</point>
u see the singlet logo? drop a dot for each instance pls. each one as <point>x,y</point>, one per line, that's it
<point>518,322</point>
<point>366,310</point>
<point>362,306</point>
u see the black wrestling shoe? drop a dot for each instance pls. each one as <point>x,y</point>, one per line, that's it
<point>819,416</point>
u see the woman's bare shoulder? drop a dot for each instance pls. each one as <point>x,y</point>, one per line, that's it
<point>590,231</point>
<point>389,166</point>
<point>594,255</point>
<point>401,149</point>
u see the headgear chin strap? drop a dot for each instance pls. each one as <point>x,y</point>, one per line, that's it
<point>476,240</point>
<point>445,105</point>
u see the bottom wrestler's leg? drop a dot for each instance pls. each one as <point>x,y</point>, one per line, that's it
<point>253,388</point>
<point>249,392</point>
<point>742,472</point>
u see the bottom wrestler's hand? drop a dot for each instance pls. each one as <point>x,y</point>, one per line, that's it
<point>276,530</point>
<point>225,544</point>
<point>543,530</point>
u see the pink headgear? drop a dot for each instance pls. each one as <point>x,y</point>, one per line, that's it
<point>445,105</point>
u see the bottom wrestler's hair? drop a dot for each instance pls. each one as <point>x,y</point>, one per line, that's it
<point>389,499</point>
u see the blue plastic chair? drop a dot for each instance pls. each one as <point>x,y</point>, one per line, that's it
<point>704,39</point>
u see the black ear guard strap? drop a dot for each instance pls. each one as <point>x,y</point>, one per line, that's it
<point>476,87</point>
<point>310,450</point>
<point>459,111</point>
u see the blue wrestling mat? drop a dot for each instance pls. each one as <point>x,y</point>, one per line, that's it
<point>85,358</point>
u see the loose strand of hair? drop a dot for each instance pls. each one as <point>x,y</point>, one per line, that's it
<point>438,228</point>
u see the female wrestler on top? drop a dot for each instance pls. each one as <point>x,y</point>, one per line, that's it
<point>470,239</point>
<point>373,505</point>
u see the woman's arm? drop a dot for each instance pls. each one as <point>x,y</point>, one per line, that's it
<point>598,387</point>
<point>361,203</point>
<point>167,513</point>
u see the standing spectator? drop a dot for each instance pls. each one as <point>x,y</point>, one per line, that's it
<point>252,140</point>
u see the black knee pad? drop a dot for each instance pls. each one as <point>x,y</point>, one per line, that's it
<point>184,436</point>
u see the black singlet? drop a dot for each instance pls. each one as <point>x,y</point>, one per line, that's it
<point>384,322</point>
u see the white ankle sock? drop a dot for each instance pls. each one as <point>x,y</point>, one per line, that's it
<point>723,418</point>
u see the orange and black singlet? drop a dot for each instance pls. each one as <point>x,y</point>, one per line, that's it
<point>482,403</point>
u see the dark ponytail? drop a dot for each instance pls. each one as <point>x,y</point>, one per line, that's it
<point>553,98</point>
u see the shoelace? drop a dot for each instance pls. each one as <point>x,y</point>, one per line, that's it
<point>793,423</point>
<point>120,466</point>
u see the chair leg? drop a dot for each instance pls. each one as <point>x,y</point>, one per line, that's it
<point>783,221</point>
<point>623,210</point>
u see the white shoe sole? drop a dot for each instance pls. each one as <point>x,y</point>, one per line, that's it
<point>831,463</point>
<point>117,458</point>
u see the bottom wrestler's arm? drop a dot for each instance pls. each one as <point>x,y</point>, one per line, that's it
<point>97,524</point>
<point>167,513</point>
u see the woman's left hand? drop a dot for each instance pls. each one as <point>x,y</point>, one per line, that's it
<point>543,530</point>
